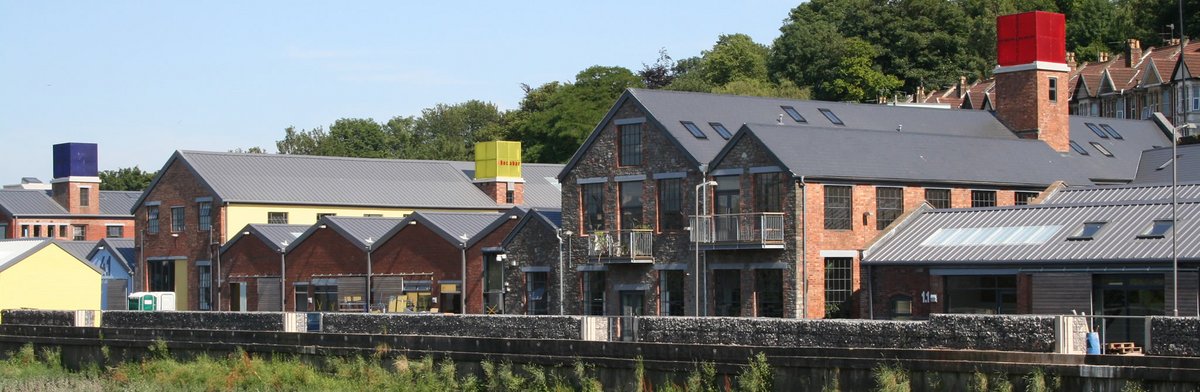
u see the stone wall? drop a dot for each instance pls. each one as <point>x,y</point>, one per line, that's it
<point>62,318</point>
<point>1174,336</point>
<point>1015,333</point>
<point>494,326</point>
<point>227,321</point>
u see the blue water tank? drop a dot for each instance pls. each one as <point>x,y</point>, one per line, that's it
<point>75,160</point>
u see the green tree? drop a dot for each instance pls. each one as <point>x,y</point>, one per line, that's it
<point>450,131</point>
<point>734,57</point>
<point>358,137</point>
<point>301,142</point>
<point>855,78</point>
<point>125,179</point>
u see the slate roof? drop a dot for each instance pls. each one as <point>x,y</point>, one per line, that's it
<point>1138,136</point>
<point>1154,168</point>
<point>13,251</point>
<point>838,153</point>
<point>275,236</point>
<point>122,249</point>
<point>313,180</point>
<point>1117,241</point>
<point>551,218</point>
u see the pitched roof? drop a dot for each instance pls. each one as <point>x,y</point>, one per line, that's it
<point>1037,234</point>
<point>837,153</point>
<point>278,237</point>
<point>552,219</point>
<point>1122,193</point>
<point>313,180</point>
<point>363,232</point>
<point>29,202</point>
<point>1136,136</point>
<point>671,108</point>
<point>121,249</point>
<point>542,189</point>
<point>118,202</point>
<point>1156,168</point>
<point>13,251</point>
<point>455,226</point>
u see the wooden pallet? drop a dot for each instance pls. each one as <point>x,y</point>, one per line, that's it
<point>1123,348</point>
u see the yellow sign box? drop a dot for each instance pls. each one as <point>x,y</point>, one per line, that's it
<point>498,160</point>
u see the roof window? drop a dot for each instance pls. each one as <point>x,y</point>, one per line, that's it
<point>1078,148</point>
<point>1112,132</point>
<point>1101,148</point>
<point>1087,232</point>
<point>791,111</point>
<point>833,118</point>
<point>1158,230</point>
<point>1096,130</point>
<point>977,236</point>
<point>691,127</point>
<point>720,130</point>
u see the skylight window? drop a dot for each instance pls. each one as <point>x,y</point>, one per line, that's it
<point>1078,148</point>
<point>791,111</point>
<point>1007,235</point>
<point>1087,232</point>
<point>833,118</point>
<point>721,130</point>
<point>1096,130</point>
<point>1112,132</point>
<point>691,127</point>
<point>1102,149</point>
<point>1158,230</point>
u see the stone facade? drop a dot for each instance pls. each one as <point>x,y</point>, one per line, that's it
<point>1175,336</point>
<point>491,326</point>
<point>228,321</point>
<point>536,245</point>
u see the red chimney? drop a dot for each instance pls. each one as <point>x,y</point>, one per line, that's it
<point>1031,79</point>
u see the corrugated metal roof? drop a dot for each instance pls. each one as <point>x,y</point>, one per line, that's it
<point>542,189</point>
<point>118,202</point>
<point>300,179</point>
<point>121,249</point>
<point>458,225</point>
<point>79,249</point>
<point>913,156</point>
<point>1152,170</point>
<point>14,250</point>
<point>1122,193</point>
<point>361,231</point>
<point>1116,242</point>
<point>29,202</point>
<point>1137,136</point>
<point>280,236</point>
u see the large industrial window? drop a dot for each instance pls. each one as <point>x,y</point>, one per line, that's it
<point>277,218</point>
<point>162,275</point>
<point>631,144</point>
<point>593,293</point>
<point>983,198</point>
<point>300,292</point>
<point>838,286</point>
<point>768,292</point>
<point>727,285</point>
<point>78,232</point>
<point>889,204</point>
<point>768,192</point>
<point>837,207</point>
<point>1023,198</point>
<point>671,292</point>
<point>205,220</point>
<point>535,293</point>
<point>85,196</point>
<point>938,198</point>
<point>670,204</point>
<point>631,205</point>
<point>152,219</point>
<point>177,222</point>
<point>325,295</point>
<point>205,287</point>
<point>114,231</point>
<point>593,207</point>
<point>985,294</point>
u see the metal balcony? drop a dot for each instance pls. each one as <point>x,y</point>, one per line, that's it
<point>756,230</point>
<point>622,245</point>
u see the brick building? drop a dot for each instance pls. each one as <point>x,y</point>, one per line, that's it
<point>327,265</point>
<point>253,259</point>
<point>199,200</point>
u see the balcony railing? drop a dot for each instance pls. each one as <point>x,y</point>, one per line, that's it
<point>752,228</point>
<point>622,244</point>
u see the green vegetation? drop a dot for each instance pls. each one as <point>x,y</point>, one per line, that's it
<point>125,179</point>
<point>892,378</point>
<point>1037,381</point>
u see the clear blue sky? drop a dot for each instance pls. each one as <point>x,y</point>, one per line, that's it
<point>144,79</point>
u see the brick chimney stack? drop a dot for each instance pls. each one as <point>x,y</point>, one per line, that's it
<point>498,171</point>
<point>76,183</point>
<point>962,86</point>
<point>1031,79</point>
<point>1133,52</point>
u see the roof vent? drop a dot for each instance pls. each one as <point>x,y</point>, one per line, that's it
<point>779,121</point>
<point>899,127</point>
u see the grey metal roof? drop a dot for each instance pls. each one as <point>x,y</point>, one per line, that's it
<point>78,249</point>
<point>1137,136</point>
<point>911,156</point>
<point>121,249</point>
<point>13,251</point>
<point>29,202</point>
<point>1116,242</point>
<point>300,179</point>
<point>1121,193</point>
<point>278,237</point>
<point>1151,169</point>
<point>453,226</point>
<point>551,218</point>
<point>361,231</point>
<point>118,202</point>
<point>542,189</point>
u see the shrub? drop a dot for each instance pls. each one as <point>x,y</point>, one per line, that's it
<point>757,376</point>
<point>891,379</point>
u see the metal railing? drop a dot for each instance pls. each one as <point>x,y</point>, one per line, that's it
<point>628,244</point>
<point>1120,329</point>
<point>754,227</point>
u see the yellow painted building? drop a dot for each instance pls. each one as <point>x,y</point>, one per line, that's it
<point>41,274</point>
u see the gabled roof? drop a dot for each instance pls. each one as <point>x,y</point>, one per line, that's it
<point>14,251</point>
<point>314,180</point>
<point>669,108</point>
<point>1122,193</point>
<point>29,202</point>
<point>1038,235</point>
<point>542,189</point>
<point>454,226</point>
<point>1155,169</point>
<point>121,249</point>
<point>118,202</point>
<point>552,219</point>
<point>79,249</point>
<point>909,155</point>
<point>1136,136</point>
<point>279,238</point>
<point>363,232</point>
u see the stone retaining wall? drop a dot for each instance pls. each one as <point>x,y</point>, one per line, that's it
<point>492,326</point>
<point>61,318</point>
<point>228,321</point>
<point>1175,336</point>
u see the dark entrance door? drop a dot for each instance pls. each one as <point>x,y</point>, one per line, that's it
<point>631,306</point>
<point>1128,295</point>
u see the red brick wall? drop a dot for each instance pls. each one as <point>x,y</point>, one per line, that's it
<point>1022,103</point>
<point>893,281</point>
<point>178,187</point>
<point>67,195</point>
<point>96,227</point>
<point>499,190</point>
<point>246,260</point>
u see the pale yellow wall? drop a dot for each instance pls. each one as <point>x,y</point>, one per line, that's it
<point>181,284</point>
<point>240,215</point>
<point>50,279</point>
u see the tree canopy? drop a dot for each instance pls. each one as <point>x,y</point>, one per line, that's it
<point>125,179</point>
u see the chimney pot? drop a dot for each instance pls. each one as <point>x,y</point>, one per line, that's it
<point>1133,52</point>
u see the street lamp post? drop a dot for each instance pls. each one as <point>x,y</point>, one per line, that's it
<point>696,241</point>
<point>1160,118</point>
